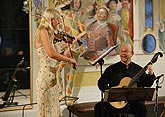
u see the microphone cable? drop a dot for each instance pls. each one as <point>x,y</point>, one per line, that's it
<point>24,105</point>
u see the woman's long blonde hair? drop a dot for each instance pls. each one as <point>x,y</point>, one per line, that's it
<point>47,16</point>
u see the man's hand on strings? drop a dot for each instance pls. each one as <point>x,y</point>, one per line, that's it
<point>150,69</point>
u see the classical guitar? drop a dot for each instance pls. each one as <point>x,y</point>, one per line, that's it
<point>128,82</point>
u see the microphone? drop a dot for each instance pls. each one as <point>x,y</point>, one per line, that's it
<point>158,77</point>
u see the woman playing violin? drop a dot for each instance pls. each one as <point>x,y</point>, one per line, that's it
<point>46,86</point>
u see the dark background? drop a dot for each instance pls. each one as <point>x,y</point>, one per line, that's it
<point>14,26</point>
<point>14,33</point>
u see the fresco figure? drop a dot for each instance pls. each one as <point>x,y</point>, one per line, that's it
<point>73,27</point>
<point>161,33</point>
<point>115,23</point>
<point>125,14</point>
<point>100,36</point>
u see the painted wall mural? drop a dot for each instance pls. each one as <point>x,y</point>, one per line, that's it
<point>95,25</point>
<point>161,31</point>
<point>85,21</point>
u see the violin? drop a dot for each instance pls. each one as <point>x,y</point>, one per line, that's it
<point>62,36</point>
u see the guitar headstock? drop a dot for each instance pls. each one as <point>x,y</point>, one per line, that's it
<point>155,57</point>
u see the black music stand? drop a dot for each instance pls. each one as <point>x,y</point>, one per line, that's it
<point>7,67</point>
<point>9,64</point>
<point>129,94</point>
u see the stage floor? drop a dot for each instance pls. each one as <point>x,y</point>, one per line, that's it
<point>21,98</point>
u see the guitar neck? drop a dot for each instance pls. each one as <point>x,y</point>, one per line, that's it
<point>137,76</point>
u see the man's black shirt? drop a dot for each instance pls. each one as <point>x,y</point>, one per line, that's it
<point>116,72</point>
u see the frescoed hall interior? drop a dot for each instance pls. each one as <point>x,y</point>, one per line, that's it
<point>18,22</point>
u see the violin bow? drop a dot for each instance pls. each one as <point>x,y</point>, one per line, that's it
<point>74,66</point>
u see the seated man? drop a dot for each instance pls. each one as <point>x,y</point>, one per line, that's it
<point>112,77</point>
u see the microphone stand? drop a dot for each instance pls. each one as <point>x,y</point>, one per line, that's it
<point>101,62</point>
<point>156,108</point>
